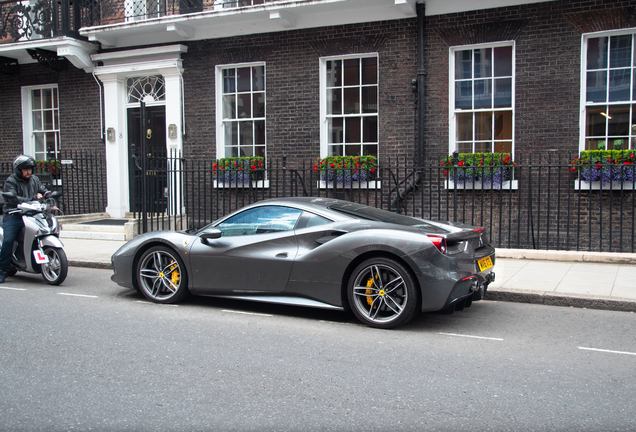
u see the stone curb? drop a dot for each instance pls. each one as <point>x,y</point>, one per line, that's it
<point>565,300</point>
<point>90,264</point>
<point>567,256</point>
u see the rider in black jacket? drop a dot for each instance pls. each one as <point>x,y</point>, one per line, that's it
<point>26,187</point>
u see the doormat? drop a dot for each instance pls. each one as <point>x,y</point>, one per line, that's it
<point>106,222</point>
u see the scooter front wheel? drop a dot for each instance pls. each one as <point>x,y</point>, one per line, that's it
<point>54,272</point>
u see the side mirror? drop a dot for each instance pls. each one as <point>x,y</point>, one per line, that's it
<point>56,194</point>
<point>210,234</point>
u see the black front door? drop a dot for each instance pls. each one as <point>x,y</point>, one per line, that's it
<point>147,164</point>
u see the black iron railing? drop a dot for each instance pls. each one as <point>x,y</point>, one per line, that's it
<point>541,204</point>
<point>39,19</point>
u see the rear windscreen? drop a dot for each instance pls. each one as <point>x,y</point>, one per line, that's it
<point>371,213</point>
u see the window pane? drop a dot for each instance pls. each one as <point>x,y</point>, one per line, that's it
<point>595,124</point>
<point>37,120</point>
<point>334,101</point>
<point>618,120</point>
<point>463,95</point>
<point>335,150</point>
<point>463,64</point>
<point>352,150</point>
<point>464,127</point>
<point>503,92</point>
<point>259,130</point>
<point>335,127</point>
<point>48,120</point>
<point>231,134</point>
<point>352,100</point>
<point>36,99</point>
<point>483,63</point>
<point>483,147</point>
<point>229,106</point>
<point>597,53</point>
<point>465,147</point>
<point>503,147</point>
<point>39,145</point>
<point>259,104</point>
<point>620,51</point>
<point>56,119</point>
<point>483,93</point>
<point>370,150</point>
<point>51,147</point>
<point>619,85</point>
<point>47,96</point>
<point>369,99</point>
<point>244,106</point>
<point>503,61</point>
<point>483,126</point>
<point>246,133</point>
<point>370,70</point>
<point>228,81</point>
<point>243,79</point>
<point>503,125</point>
<point>55,102</point>
<point>260,151</point>
<point>258,78</point>
<point>352,130</point>
<point>370,129</point>
<point>596,86</point>
<point>351,72</point>
<point>334,73</point>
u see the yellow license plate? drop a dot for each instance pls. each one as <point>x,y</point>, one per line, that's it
<point>484,263</point>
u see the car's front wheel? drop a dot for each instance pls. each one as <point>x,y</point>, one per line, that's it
<point>382,293</point>
<point>161,275</point>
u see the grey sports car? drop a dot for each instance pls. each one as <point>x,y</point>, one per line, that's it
<point>316,252</point>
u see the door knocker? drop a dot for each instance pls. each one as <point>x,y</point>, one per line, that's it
<point>149,133</point>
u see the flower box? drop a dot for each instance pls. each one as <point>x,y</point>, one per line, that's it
<point>322,184</point>
<point>256,184</point>
<point>478,185</point>
<point>598,185</point>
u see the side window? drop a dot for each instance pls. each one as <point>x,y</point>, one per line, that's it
<point>315,220</point>
<point>260,220</point>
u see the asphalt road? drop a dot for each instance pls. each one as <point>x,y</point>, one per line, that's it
<point>89,355</point>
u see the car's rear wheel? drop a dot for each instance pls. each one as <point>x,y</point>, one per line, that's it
<point>382,293</point>
<point>161,275</point>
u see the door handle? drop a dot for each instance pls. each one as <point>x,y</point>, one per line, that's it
<point>281,255</point>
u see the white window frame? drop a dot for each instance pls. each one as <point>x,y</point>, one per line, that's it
<point>583,102</point>
<point>452,112</point>
<point>324,123</point>
<point>28,131</point>
<point>220,126</point>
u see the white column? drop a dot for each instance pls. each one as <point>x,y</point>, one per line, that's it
<point>174,119</point>
<point>117,151</point>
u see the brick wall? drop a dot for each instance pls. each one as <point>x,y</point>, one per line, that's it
<point>292,71</point>
<point>79,108</point>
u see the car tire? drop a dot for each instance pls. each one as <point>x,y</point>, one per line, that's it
<point>382,293</point>
<point>161,275</point>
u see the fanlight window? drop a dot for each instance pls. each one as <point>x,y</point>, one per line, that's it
<point>148,89</point>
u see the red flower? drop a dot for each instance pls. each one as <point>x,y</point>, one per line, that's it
<point>460,163</point>
<point>372,169</point>
<point>445,172</point>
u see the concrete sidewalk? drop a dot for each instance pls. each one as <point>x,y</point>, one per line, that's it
<point>578,279</point>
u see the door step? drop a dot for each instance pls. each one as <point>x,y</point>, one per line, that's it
<point>96,227</point>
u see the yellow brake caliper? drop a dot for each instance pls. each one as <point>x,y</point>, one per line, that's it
<point>369,292</point>
<point>175,274</point>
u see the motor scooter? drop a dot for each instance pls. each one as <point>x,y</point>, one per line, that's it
<point>38,248</point>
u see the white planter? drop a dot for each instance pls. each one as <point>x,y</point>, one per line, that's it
<point>507,185</point>
<point>353,185</point>
<point>596,185</point>
<point>260,184</point>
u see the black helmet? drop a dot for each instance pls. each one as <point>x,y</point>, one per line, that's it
<point>23,162</point>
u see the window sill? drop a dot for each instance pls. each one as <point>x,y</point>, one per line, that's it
<point>259,184</point>
<point>507,185</point>
<point>596,185</point>
<point>353,185</point>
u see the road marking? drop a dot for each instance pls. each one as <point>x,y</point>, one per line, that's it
<point>156,304</point>
<point>472,337</point>
<point>246,313</point>
<point>78,295</point>
<point>608,351</point>
<point>13,289</point>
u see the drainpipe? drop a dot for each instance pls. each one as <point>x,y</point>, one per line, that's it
<point>421,100</point>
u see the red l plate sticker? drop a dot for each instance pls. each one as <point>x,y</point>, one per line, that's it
<point>40,257</point>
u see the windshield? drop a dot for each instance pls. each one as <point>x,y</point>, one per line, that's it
<point>361,211</point>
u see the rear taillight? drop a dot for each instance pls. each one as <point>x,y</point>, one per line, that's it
<point>439,242</point>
